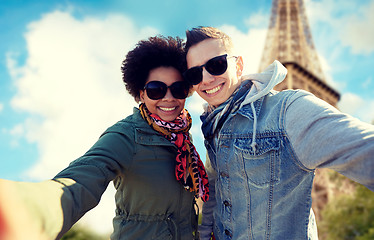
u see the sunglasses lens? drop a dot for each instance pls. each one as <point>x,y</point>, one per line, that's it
<point>179,89</point>
<point>194,75</point>
<point>156,90</point>
<point>217,65</point>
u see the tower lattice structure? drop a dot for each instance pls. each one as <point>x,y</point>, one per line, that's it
<point>289,40</point>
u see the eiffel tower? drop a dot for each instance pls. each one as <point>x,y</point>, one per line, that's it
<point>289,40</point>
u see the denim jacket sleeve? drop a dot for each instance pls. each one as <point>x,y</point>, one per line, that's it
<point>324,137</point>
<point>206,227</point>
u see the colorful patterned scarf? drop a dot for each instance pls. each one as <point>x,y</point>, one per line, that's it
<point>189,169</point>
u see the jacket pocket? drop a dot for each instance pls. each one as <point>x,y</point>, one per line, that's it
<point>262,165</point>
<point>135,229</point>
<point>164,234</point>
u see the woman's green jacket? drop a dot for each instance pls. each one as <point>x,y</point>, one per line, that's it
<point>150,202</point>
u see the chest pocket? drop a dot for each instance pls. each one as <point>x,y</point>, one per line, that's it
<point>262,166</point>
<point>153,151</point>
<point>150,138</point>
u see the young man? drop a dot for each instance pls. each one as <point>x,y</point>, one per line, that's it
<point>264,146</point>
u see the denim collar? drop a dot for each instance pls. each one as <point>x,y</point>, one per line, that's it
<point>213,119</point>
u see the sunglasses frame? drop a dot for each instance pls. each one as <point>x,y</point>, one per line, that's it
<point>199,69</point>
<point>164,88</point>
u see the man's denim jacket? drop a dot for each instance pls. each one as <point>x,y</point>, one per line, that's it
<point>265,192</point>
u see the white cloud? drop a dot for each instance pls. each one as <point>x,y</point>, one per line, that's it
<point>72,79</point>
<point>327,72</point>
<point>1,107</point>
<point>320,11</point>
<point>358,32</point>
<point>257,20</point>
<point>71,86</point>
<point>357,106</point>
<point>340,24</point>
<point>350,103</point>
<point>250,45</point>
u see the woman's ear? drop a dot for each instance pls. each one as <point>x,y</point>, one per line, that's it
<point>141,95</point>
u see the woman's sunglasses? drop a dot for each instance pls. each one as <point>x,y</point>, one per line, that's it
<point>157,90</point>
<point>215,66</point>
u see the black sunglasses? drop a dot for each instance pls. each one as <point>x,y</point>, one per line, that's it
<point>157,90</point>
<point>215,66</point>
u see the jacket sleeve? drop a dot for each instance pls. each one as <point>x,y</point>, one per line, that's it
<point>324,137</point>
<point>55,205</point>
<point>85,180</point>
<point>206,227</point>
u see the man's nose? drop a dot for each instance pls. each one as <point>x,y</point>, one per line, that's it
<point>207,77</point>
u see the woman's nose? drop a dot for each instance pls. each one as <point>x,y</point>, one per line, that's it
<point>168,95</point>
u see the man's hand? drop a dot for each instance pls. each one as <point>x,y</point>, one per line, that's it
<point>15,220</point>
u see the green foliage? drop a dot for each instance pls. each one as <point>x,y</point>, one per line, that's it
<point>349,217</point>
<point>79,233</point>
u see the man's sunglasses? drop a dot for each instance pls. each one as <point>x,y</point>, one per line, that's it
<point>215,66</point>
<point>157,90</point>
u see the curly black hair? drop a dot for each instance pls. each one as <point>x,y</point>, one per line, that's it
<point>158,51</point>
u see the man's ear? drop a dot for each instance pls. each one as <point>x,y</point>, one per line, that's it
<point>239,66</point>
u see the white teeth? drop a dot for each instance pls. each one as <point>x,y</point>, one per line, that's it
<point>167,109</point>
<point>213,90</point>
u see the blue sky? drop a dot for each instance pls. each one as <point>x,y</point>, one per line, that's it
<point>60,81</point>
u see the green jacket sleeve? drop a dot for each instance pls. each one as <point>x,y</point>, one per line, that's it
<point>85,180</point>
<point>53,206</point>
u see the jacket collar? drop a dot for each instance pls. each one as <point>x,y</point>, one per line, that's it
<point>247,111</point>
<point>145,134</point>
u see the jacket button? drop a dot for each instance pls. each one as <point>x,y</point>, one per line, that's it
<point>223,174</point>
<point>227,204</point>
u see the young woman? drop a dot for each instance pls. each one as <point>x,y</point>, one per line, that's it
<point>149,157</point>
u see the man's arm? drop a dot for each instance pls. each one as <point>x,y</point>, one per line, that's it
<point>324,137</point>
<point>26,213</point>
